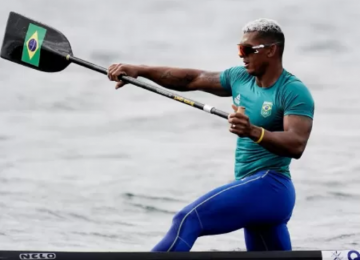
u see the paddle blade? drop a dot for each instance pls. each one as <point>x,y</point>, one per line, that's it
<point>34,44</point>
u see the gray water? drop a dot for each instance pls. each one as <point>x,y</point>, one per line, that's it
<point>85,167</point>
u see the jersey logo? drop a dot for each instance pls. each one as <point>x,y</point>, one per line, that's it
<point>266,108</point>
<point>237,100</point>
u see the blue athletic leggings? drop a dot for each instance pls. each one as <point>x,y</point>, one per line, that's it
<point>262,204</point>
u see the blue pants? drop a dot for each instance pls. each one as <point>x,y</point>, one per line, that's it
<point>262,204</point>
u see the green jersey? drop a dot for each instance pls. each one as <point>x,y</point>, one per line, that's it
<point>265,107</point>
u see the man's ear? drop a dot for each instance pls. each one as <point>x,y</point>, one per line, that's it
<point>272,51</point>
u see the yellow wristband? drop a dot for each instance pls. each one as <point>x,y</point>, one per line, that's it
<point>261,136</point>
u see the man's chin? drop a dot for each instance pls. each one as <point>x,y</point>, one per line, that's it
<point>250,71</point>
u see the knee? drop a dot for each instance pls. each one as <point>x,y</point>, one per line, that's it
<point>186,217</point>
<point>186,222</point>
<point>181,216</point>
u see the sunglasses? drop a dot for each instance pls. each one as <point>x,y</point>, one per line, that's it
<point>245,50</point>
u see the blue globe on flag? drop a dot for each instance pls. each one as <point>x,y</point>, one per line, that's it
<point>32,45</point>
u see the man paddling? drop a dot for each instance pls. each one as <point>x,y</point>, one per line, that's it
<point>273,114</point>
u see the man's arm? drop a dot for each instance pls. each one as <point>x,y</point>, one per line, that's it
<point>289,143</point>
<point>179,79</point>
<point>299,107</point>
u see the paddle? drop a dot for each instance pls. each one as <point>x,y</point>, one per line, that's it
<point>41,47</point>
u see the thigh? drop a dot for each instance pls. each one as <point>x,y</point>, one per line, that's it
<point>260,199</point>
<point>267,238</point>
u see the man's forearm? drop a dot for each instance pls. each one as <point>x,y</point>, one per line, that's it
<point>173,78</point>
<point>286,144</point>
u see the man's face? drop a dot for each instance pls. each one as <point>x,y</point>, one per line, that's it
<point>255,63</point>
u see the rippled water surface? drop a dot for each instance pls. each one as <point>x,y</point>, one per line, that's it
<point>85,167</point>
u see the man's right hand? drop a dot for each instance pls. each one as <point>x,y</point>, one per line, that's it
<point>115,70</point>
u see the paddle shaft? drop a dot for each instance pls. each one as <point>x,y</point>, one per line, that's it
<point>160,91</point>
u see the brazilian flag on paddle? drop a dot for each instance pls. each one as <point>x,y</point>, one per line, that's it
<point>34,44</point>
<point>34,38</point>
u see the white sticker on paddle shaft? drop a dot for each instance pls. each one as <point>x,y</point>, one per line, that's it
<point>207,108</point>
<point>341,255</point>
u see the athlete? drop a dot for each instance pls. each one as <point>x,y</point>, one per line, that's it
<point>273,115</point>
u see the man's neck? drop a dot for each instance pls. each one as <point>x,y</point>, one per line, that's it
<point>271,75</point>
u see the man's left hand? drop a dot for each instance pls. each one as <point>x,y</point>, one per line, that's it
<point>239,122</point>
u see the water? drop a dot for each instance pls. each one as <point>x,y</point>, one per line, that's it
<point>85,167</point>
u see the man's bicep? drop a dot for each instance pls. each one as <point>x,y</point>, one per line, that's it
<point>301,125</point>
<point>210,82</point>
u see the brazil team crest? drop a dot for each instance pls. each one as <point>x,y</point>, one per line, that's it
<point>266,108</point>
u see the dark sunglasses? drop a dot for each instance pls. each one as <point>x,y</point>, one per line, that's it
<point>245,50</point>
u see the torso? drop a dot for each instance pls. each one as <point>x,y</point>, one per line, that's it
<point>264,107</point>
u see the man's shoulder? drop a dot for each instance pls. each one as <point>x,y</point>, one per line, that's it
<point>296,97</point>
<point>234,75</point>
<point>238,73</point>
<point>293,83</point>
<point>235,70</point>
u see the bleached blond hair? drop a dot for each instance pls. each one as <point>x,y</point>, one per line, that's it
<point>264,25</point>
